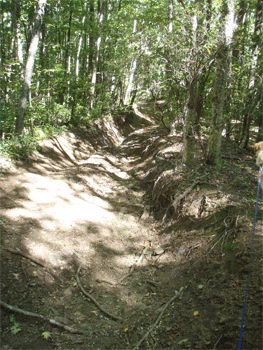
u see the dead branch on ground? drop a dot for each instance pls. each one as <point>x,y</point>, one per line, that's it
<point>33,314</point>
<point>158,318</point>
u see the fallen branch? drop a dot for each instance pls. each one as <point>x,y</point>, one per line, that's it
<point>32,314</point>
<point>158,318</point>
<point>88,295</point>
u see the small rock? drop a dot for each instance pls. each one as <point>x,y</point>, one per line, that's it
<point>67,292</point>
<point>158,251</point>
<point>181,250</point>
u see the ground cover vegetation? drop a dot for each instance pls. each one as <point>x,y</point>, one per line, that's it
<point>127,180</point>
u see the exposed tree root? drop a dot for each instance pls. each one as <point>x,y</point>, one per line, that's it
<point>179,198</point>
<point>88,295</point>
<point>18,252</point>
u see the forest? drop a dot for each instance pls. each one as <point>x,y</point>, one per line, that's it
<point>129,189</point>
<point>69,63</point>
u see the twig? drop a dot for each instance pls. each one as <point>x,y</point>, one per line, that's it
<point>158,318</point>
<point>214,348</point>
<point>129,273</point>
<point>134,265</point>
<point>193,247</point>
<point>93,299</point>
<point>28,313</point>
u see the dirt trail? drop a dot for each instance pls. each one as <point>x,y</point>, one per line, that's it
<point>81,203</point>
<point>66,211</point>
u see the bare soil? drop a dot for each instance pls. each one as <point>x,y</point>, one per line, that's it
<point>100,211</point>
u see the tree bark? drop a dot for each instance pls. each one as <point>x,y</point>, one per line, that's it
<point>254,83</point>
<point>221,75</point>
<point>29,69</point>
<point>215,138</point>
<point>132,70</point>
<point>96,63</point>
<point>190,124</point>
<point>189,134</point>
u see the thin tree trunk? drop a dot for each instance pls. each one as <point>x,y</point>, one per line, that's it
<point>91,39</point>
<point>215,138</point>
<point>19,41</point>
<point>189,133</point>
<point>29,68</point>
<point>254,94</point>
<point>172,119</point>
<point>248,117</point>
<point>129,87</point>
<point>190,124</point>
<point>132,69</point>
<point>95,66</point>
<point>221,75</point>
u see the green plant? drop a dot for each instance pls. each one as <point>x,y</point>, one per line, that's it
<point>18,148</point>
<point>16,326</point>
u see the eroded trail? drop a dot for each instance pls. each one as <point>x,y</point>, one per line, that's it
<point>68,211</point>
<point>80,246</point>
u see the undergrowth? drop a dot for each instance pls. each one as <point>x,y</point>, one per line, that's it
<point>22,146</point>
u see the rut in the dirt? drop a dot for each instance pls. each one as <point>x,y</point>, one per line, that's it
<point>83,216</point>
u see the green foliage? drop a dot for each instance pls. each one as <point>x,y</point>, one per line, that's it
<point>166,61</point>
<point>16,326</point>
<point>19,148</point>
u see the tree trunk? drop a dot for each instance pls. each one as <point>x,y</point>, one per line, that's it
<point>248,116</point>
<point>96,64</point>
<point>132,70</point>
<point>221,75</point>
<point>172,119</point>
<point>215,138</point>
<point>189,133</point>
<point>190,124</point>
<point>129,87</point>
<point>254,83</point>
<point>29,69</point>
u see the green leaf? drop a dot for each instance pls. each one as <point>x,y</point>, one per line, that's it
<point>182,341</point>
<point>46,335</point>
<point>15,328</point>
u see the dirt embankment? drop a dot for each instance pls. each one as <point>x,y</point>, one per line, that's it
<point>112,237</point>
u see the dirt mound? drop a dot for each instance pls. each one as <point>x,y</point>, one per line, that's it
<point>113,237</point>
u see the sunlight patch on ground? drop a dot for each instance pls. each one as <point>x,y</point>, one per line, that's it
<point>144,116</point>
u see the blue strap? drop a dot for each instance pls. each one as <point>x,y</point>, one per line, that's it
<point>255,220</point>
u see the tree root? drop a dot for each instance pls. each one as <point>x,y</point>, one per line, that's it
<point>18,252</point>
<point>32,314</point>
<point>36,261</point>
<point>88,295</point>
<point>158,318</point>
<point>179,198</point>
